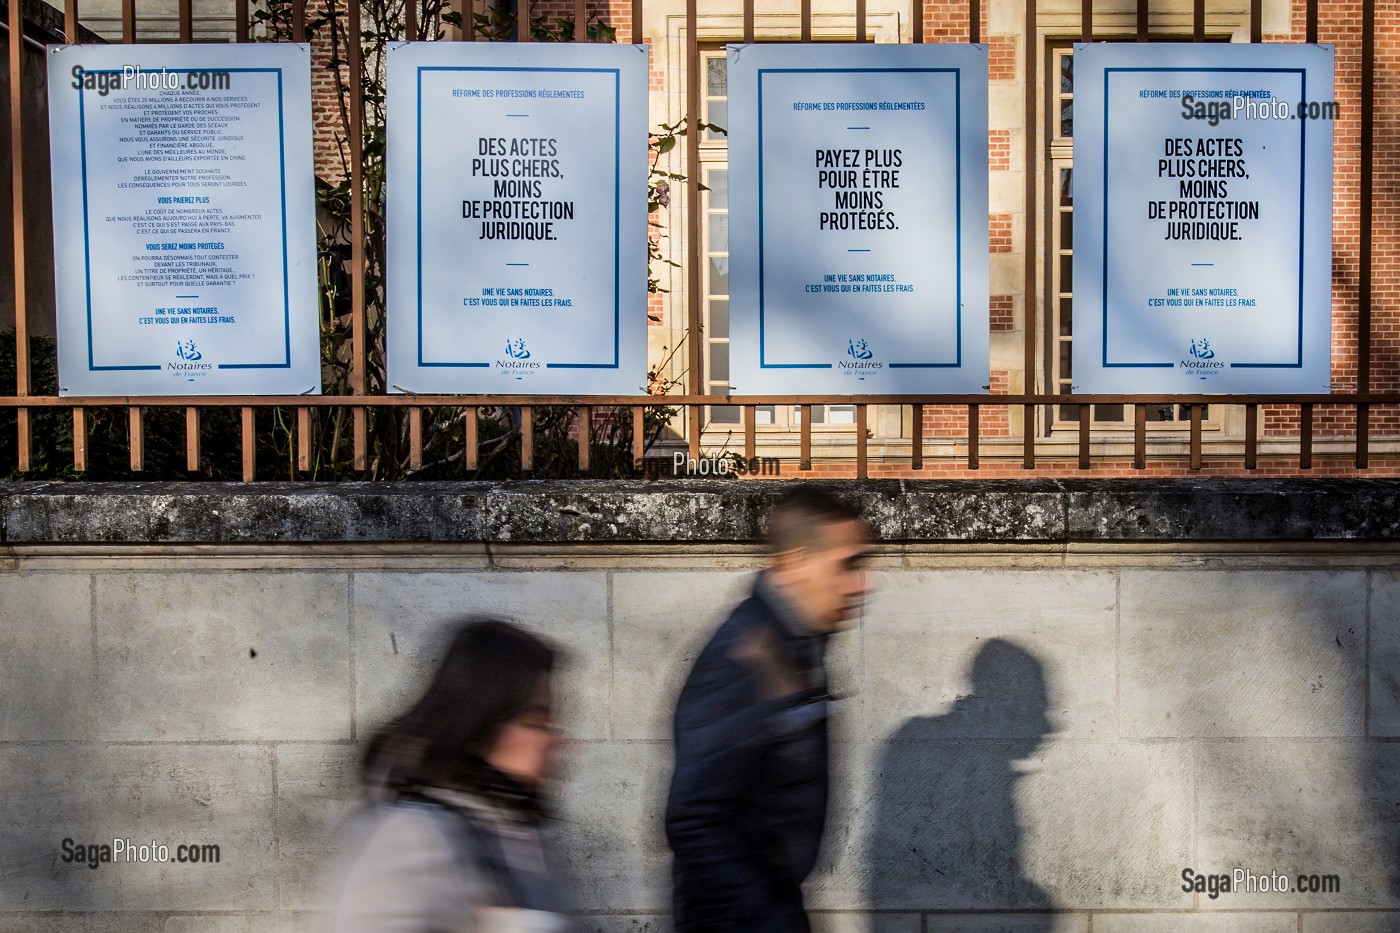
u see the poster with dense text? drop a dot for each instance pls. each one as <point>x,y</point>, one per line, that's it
<point>858,219</point>
<point>1203,218</point>
<point>184,219</point>
<point>517,218</point>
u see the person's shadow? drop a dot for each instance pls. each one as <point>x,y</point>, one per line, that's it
<point>946,833</point>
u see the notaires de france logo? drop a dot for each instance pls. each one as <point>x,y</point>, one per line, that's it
<point>858,349</point>
<point>187,351</point>
<point>515,349</point>
<point>1201,350</point>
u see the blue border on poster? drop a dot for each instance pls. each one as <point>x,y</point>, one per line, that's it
<point>1302,230</point>
<point>87,249</point>
<point>617,208</point>
<point>958,143</point>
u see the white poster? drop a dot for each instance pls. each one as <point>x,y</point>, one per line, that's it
<point>517,218</point>
<point>858,218</point>
<point>184,219</point>
<point>1202,218</point>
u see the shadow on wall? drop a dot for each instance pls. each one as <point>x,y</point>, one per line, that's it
<point>946,832</point>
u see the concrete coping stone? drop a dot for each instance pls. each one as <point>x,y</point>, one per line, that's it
<point>695,511</point>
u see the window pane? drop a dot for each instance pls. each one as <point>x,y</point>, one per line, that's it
<point>1069,412</point>
<point>719,362</point>
<point>719,116</point>
<point>716,74</point>
<point>719,233</point>
<point>1066,230</point>
<point>1066,316</point>
<point>1066,273</point>
<point>1108,412</point>
<point>818,414</point>
<point>1067,117</point>
<point>1067,187</point>
<point>719,275</point>
<point>1066,358</point>
<point>763,414</point>
<point>719,318</point>
<point>718,182</point>
<point>1066,74</point>
<point>724,414</point>
<point>1159,413</point>
<point>841,414</point>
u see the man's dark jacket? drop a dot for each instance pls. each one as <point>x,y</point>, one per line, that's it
<point>749,792</point>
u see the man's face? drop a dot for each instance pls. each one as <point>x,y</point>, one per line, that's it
<point>826,580</point>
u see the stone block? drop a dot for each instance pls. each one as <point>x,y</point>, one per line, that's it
<point>167,794</point>
<point>1008,923</point>
<point>1385,655</point>
<point>1235,922</point>
<point>977,825</point>
<point>978,654</point>
<point>285,922</point>
<point>223,656</point>
<point>660,623</point>
<point>401,620</point>
<point>46,657</point>
<point>318,788</point>
<point>1243,654</point>
<point>65,922</point>
<point>1299,807</point>
<point>610,834</point>
<point>1352,922</point>
<point>853,922</point>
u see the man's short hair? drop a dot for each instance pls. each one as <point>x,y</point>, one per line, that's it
<point>798,517</point>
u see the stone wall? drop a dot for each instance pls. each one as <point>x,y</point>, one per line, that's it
<point>1063,696</point>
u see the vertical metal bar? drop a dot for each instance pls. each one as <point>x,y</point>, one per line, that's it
<point>636,22</point>
<point>1198,20</point>
<point>527,438</point>
<point>136,439</point>
<point>580,20</point>
<point>1028,437</point>
<point>860,20</point>
<point>410,20</point>
<point>804,450</point>
<point>1086,20</point>
<point>250,444</point>
<point>1195,437</point>
<point>1142,20</point>
<point>21,290</point>
<point>240,21</point>
<point>415,438</point>
<point>1085,414</point>
<point>1028,426</point>
<point>298,19</point>
<point>80,440</point>
<point>469,418</point>
<point>748,22</point>
<point>304,440</point>
<point>468,31</point>
<point>70,22</point>
<point>1140,436</point>
<point>806,18</point>
<point>1305,436</point>
<point>861,467</point>
<point>186,14</point>
<point>522,20</point>
<point>1368,115</point>
<point>695,357</point>
<point>1311,20</point>
<point>1363,436</point>
<point>585,438</point>
<point>974,22</point>
<point>192,440</point>
<point>974,436</point>
<point>358,338</point>
<point>639,436</point>
<point>750,433</point>
<point>128,21</point>
<point>916,438</point>
<point>1256,21</point>
<point>1251,437</point>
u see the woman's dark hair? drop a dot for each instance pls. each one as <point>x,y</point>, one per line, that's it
<point>490,675</point>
